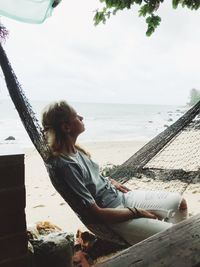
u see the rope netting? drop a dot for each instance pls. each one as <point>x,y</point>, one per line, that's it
<point>170,161</point>
<point>183,152</point>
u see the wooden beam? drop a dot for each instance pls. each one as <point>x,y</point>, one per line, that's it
<point>177,246</point>
<point>13,235</point>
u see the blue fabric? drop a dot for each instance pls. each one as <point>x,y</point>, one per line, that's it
<point>82,175</point>
<point>31,11</point>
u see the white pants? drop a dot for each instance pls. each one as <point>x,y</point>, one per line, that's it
<point>163,203</point>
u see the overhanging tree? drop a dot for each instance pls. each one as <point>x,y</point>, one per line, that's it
<point>147,9</point>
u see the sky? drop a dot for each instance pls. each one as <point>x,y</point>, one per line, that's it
<point>67,57</point>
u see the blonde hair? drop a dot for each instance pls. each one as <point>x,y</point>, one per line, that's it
<point>53,116</point>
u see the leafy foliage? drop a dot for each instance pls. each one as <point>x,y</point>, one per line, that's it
<point>147,8</point>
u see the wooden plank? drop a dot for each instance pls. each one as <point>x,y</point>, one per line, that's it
<point>16,262</point>
<point>12,199</point>
<point>10,160</point>
<point>177,246</point>
<point>13,246</point>
<point>12,170</point>
<point>12,222</point>
<point>13,236</point>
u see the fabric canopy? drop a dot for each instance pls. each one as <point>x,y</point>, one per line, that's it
<point>31,11</point>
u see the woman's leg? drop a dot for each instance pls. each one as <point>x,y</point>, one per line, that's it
<point>181,214</point>
<point>163,203</point>
<point>136,230</point>
<point>170,206</point>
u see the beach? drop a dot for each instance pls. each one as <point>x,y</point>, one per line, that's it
<point>45,204</point>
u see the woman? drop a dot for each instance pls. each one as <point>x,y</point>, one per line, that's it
<point>136,214</point>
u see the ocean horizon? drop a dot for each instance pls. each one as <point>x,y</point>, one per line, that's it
<point>103,121</point>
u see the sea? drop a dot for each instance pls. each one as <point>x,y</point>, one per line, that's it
<point>103,122</point>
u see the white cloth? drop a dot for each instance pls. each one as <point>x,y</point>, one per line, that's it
<point>163,203</point>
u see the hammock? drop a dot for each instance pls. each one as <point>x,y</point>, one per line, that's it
<point>145,162</point>
<point>173,156</point>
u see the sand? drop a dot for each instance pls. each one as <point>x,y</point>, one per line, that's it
<point>44,203</point>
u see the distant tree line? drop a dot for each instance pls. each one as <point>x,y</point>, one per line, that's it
<point>194,97</point>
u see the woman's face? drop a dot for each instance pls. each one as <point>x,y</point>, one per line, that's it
<point>76,125</point>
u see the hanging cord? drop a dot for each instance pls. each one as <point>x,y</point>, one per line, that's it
<point>22,104</point>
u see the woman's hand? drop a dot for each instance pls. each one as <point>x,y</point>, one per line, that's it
<point>147,214</point>
<point>119,186</point>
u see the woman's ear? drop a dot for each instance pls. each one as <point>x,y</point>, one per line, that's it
<point>65,128</point>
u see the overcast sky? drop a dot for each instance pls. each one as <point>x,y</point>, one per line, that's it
<point>67,57</point>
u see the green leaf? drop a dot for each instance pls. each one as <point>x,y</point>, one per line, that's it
<point>144,10</point>
<point>153,22</point>
<point>99,17</point>
<point>139,2</point>
<point>175,3</point>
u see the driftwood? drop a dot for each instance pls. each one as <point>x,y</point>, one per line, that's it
<point>178,246</point>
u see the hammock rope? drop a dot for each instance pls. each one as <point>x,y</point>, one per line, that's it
<point>23,107</point>
<point>142,163</point>
<point>36,135</point>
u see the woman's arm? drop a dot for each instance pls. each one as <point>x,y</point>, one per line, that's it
<point>119,186</point>
<point>113,215</point>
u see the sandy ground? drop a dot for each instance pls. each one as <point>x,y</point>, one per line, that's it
<point>44,203</point>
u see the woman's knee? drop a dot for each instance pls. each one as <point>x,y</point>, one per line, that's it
<point>183,205</point>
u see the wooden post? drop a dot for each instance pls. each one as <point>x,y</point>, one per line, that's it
<point>177,246</point>
<point>13,237</point>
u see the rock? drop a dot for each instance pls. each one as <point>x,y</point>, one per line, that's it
<point>53,250</point>
<point>195,191</point>
<point>170,119</point>
<point>10,138</point>
<point>165,125</point>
